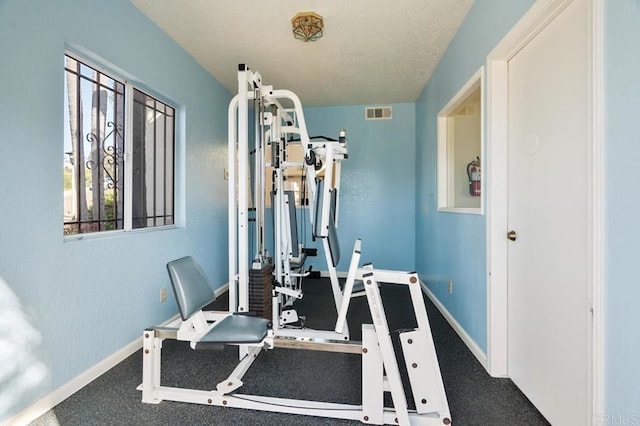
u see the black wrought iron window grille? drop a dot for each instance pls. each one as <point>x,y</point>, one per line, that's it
<point>116,177</point>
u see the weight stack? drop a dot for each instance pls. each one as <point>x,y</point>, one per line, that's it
<point>260,287</point>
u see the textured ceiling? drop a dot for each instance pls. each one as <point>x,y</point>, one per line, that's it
<point>372,51</point>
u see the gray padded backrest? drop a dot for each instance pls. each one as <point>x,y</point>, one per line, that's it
<point>334,244</point>
<point>317,229</point>
<point>190,285</point>
<point>331,232</point>
<point>293,222</point>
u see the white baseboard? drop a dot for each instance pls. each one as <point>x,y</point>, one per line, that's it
<point>45,404</point>
<point>221,290</point>
<point>471,344</point>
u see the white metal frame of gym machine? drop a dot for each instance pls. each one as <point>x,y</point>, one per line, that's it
<point>381,372</point>
<point>275,125</point>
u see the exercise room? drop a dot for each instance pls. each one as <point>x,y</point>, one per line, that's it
<point>305,212</point>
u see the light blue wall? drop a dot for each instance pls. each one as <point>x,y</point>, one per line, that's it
<point>452,246</point>
<point>90,298</point>
<point>378,184</point>
<point>622,209</point>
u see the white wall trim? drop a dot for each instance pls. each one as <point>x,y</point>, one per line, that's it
<point>45,404</point>
<point>471,344</point>
<point>597,220</point>
<point>496,210</point>
<point>445,155</point>
<point>221,290</point>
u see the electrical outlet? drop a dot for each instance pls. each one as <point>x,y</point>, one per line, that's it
<point>450,286</point>
<point>226,174</point>
<point>163,294</point>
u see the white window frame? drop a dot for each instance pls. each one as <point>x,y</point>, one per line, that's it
<point>129,87</point>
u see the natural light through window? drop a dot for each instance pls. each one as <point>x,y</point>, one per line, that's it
<point>116,176</point>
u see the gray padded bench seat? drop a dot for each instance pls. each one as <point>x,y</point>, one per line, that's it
<point>193,293</point>
<point>236,329</point>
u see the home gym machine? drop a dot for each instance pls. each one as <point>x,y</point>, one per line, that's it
<point>278,124</point>
<point>276,129</point>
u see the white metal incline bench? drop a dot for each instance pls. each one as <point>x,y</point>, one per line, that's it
<point>381,373</point>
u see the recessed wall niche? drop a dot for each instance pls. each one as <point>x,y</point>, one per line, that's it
<point>460,147</point>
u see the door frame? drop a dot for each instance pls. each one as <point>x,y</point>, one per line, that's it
<point>541,13</point>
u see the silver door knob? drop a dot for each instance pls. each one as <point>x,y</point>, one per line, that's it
<point>512,235</point>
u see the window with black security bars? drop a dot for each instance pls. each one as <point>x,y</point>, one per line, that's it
<point>119,154</point>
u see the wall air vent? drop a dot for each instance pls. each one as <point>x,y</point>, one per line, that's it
<point>378,113</point>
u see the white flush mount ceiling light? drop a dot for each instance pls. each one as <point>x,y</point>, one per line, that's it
<point>307,26</point>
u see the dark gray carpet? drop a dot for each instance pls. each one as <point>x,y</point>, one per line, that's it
<point>474,397</point>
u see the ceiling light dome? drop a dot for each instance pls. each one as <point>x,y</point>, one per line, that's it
<point>307,26</point>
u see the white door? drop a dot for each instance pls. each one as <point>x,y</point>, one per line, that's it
<point>548,263</point>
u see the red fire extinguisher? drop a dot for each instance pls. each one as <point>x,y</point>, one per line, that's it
<point>473,172</point>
